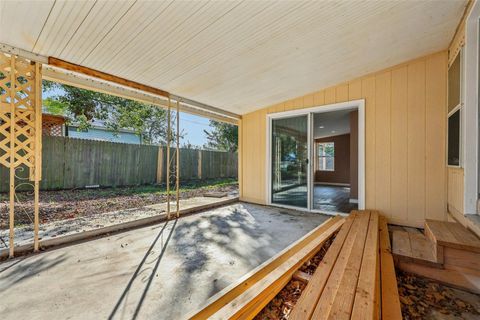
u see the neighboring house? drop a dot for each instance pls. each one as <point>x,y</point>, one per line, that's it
<point>98,131</point>
<point>53,125</point>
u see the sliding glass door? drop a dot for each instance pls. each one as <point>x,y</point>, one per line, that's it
<point>289,161</point>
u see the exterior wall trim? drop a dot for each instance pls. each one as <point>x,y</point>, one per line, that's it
<point>470,93</point>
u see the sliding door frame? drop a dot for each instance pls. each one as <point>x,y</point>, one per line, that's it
<point>354,104</point>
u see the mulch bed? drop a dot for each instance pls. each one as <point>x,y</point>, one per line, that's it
<point>281,306</point>
<point>69,204</point>
<point>420,296</point>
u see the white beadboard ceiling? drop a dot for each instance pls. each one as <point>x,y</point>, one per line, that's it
<point>235,55</point>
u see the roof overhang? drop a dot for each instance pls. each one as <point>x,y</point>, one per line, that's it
<point>235,56</point>
<point>70,74</point>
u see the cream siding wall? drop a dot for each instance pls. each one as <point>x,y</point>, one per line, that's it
<point>405,139</point>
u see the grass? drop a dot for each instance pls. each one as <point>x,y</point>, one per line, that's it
<point>162,189</point>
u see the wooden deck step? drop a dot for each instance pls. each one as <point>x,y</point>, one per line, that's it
<point>453,235</point>
<point>414,247</point>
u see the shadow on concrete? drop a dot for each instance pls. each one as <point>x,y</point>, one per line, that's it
<point>193,240</point>
<point>139,271</point>
<point>27,268</point>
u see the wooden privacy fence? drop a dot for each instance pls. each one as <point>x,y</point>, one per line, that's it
<point>69,163</point>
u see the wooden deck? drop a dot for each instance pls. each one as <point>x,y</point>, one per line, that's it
<point>356,278</point>
<point>446,252</point>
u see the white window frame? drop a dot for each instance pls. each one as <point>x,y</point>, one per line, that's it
<point>459,106</point>
<point>318,156</point>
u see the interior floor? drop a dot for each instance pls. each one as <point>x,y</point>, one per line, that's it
<point>295,196</point>
<point>332,199</point>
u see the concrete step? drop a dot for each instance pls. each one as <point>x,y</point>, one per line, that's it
<point>416,248</point>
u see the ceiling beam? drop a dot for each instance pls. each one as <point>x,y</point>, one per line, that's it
<point>72,74</point>
<point>23,53</point>
<point>104,76</point>
<point>135,85</point>
<point>86,82</point>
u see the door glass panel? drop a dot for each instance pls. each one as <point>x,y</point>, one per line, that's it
<point>290,161</point>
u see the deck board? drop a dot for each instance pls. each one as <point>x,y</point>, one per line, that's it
<point>337,303</point>
<point>454,235</point>
<point>391,309</point>
<point>422,248</point>
<point>401,243</point>
<point>310,296</point>
<point>365,294</point>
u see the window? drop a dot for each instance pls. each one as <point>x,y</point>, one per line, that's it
<point>326,156</point>
<point>454,139</point>
<point>455,107</point>
<point>454,84</point>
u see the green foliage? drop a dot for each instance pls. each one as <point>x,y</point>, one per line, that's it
<point>82,106</point>
<point>54,106</point>
<point>223,136</point>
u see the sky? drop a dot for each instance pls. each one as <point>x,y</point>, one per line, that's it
<point>191,125</point>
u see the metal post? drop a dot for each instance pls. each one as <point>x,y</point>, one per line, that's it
<point>178,160</point>
<point>168,159</point>
<point>38,152</point>
<point>12,155</point>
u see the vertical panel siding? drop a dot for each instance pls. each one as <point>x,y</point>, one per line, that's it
<point>330,94</point>
<point>436,81</point>
<point>382,141</point>
<point>416,140</point>
<point>368,93</point>
<point>405,139</point>
<point>398,138</point>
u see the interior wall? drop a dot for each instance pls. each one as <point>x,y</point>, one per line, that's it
<point>341,173</point>
<point>405,139</point>
<point>354,154</point>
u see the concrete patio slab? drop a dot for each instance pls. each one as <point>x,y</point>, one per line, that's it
<point>163,271</point>
<point>65,231</point>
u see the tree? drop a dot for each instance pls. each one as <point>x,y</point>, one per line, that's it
<point>82,107</point>
<point>223,136</point>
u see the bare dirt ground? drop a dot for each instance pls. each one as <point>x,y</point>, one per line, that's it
<point>422,298</point>
<point>69,204</point>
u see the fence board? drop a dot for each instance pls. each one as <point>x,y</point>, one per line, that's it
<point>69,163</point>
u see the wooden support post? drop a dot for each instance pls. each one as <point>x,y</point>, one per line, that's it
<point>199,165</point>
<point>169,132</point>
<point>240,161</point>
<point>12,157</point>
<point>160,165</point>
<point>178,160</point>
<point>38,154</point>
